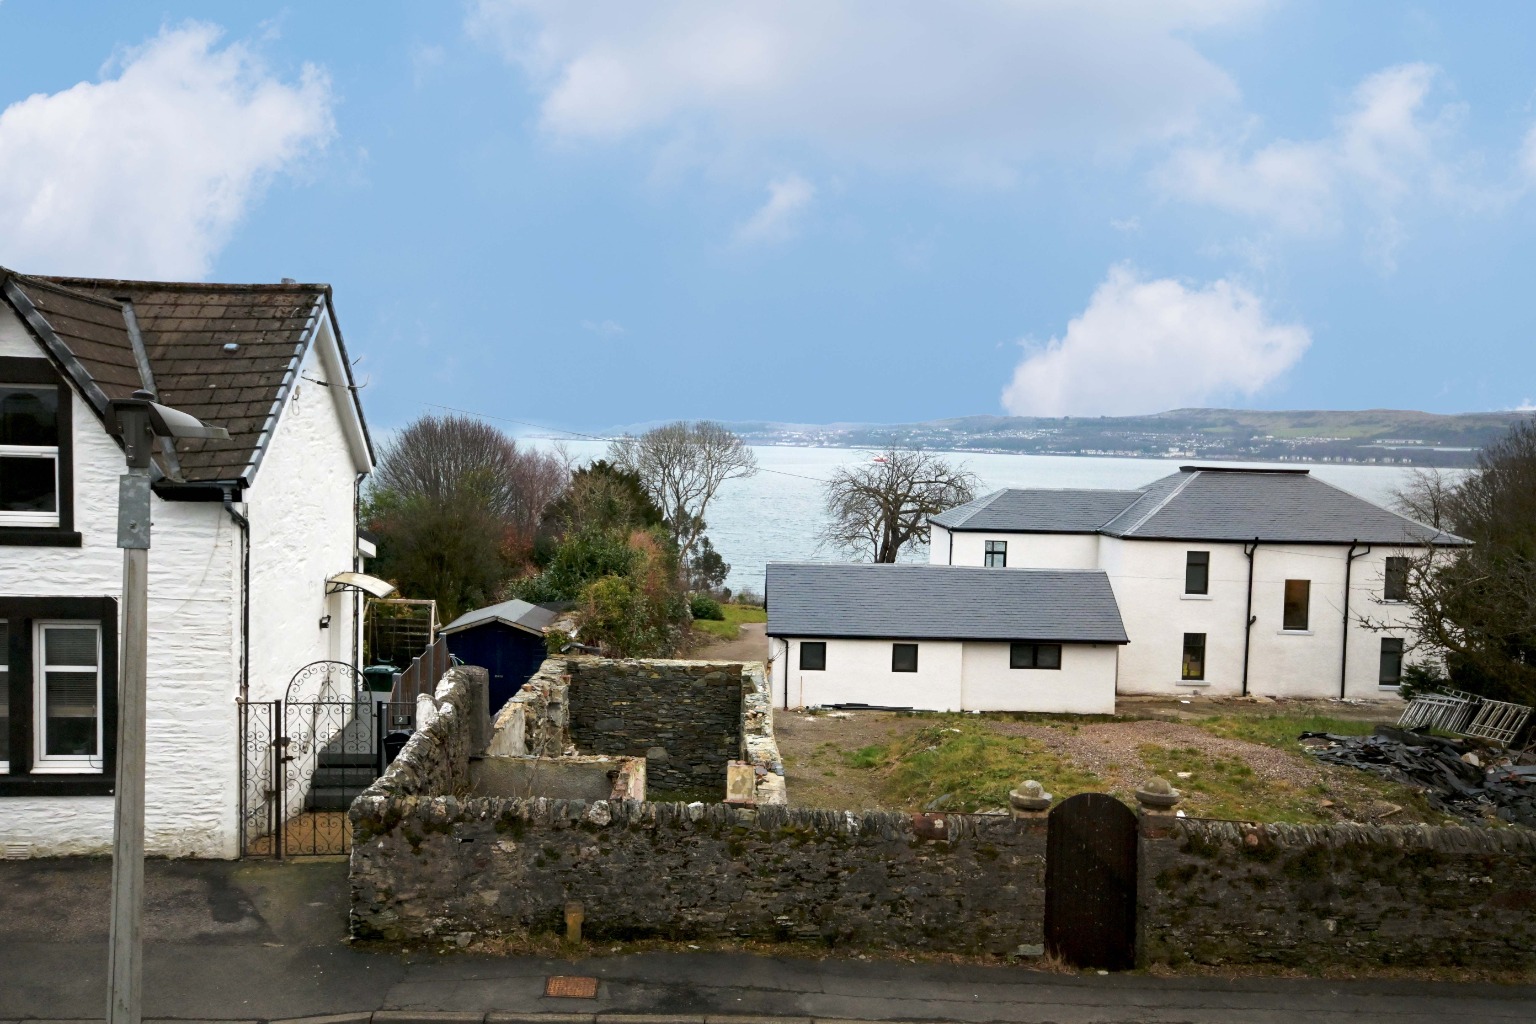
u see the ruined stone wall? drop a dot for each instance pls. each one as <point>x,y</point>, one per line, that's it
<point>534,722</point>
<point>758,746</point>
<point>436,757</point>
<point>684,717</point>
<point>1216,892</point>
<point>446,866</point>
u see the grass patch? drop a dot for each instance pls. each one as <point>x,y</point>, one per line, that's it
<point>1225,787</point>
<point>729,627</point>
<point>1280,731</point>
<point>974,765</point>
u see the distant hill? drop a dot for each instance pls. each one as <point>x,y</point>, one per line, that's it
<point>1382,436</point>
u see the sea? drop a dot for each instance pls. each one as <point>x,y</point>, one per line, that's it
<point>777,515</point>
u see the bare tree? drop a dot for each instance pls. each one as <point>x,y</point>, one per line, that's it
<point>682,466</point>
<point>882,508</point>
<point>457,505</point>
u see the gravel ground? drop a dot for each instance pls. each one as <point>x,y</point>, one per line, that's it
<point>1111,750</point>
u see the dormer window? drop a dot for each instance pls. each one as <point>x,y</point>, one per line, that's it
<point>29,455</point>
<point>36,475</point>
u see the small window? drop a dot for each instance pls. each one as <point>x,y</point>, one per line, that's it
<point>903,657</point>
<point>29,455</point>
<point>1034,655</point>
<point>1395,587</point>
<point>1197,572</point>
<point>1298,598</point>
<point>1194,656</point>
<point>997,554</point>
<point>67,661</point>
<point>1391,661</point>
<point>813,655</point>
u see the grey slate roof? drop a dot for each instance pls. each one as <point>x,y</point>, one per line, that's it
<point>941,602</point>
<point>1203,503</point>
<point>1047,511</point>
<point>519,614</point>
<point>1273,505</point>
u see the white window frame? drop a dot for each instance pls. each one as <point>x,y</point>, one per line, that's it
<point>30,451</point>
<point>44,763</point>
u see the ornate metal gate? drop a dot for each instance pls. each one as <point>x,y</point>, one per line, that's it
<point>1090,882</point>
<point>305,758</point>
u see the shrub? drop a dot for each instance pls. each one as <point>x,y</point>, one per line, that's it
<point>705,607</point>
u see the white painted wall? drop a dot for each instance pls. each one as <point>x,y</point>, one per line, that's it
<point>1085,683</point>
<point>1025,550</point>
<point>303,531</point>
<point>952,676</point>
<point>1148,579</point>
<point>193,586</point>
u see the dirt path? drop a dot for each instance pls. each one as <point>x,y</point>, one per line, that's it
<point>751,644</point>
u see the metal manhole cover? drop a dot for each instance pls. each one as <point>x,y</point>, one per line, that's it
<point>570,987</point>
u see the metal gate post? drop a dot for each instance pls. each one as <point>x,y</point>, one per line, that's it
<point>280,745</point>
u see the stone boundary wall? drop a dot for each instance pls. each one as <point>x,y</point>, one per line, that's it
<point>683,717</point>
<point>535,721</point>
<point>436,757</point>
<point>1220,892</point>
<point>424,867</point>
<point>758,747</point>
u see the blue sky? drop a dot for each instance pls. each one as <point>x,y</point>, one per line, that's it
<point>608,213</point>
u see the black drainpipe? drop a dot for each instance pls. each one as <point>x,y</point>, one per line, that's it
<point>1249,550</point>
<point>786,672</point>
<point>245,592</point>
<point>1349,564</point>
<point>951,546</point>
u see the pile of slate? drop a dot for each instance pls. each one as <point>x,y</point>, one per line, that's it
<point>1473,781</point>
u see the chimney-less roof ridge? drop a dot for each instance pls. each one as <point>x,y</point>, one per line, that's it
<point>1174,493</point>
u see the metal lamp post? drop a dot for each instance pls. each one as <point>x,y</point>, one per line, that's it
<point>139,421</point>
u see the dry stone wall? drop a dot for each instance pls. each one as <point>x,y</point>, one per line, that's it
<point>441,866</point>
<point>1217,892</point>
<point>683,717</point>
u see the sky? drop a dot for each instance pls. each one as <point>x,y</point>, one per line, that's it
<point>585,215</point>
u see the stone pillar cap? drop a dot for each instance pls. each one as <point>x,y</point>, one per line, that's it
<point>1157,794</point>
<point>1030,796</point>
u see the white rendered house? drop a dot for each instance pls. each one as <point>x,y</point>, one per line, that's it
<point>246,534</point>
<point>1230,581</point>
<point>942,638</point>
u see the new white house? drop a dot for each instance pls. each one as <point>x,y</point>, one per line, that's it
<point>1229,581</point>
<point>246,535</point>
<point>942,638</point>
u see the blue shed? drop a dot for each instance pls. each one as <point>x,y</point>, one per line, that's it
<point>505,639</point>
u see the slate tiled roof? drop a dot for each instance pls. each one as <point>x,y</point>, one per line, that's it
<point>1202,503</point>
<point>531,617</point>
<point>941,602</point>
<point>1272,505</point>
<point>185,328</point>
<point>1047,511</point>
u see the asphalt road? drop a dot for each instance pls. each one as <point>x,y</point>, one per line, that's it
<point>262,941</point>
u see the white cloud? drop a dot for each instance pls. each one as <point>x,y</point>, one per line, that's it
<point>970,88</point>
<point>1147,346</point>
<point>1387,149</point>
<point>147,174</point>
<point>603,328</point>
<point>777,218</point>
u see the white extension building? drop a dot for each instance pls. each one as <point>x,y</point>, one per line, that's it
<point>247,532</point>
<point>1229,581</point>
<point>942,638</point>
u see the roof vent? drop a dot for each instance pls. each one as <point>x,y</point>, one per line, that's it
<point>289,280</point>
<point>231,346</point>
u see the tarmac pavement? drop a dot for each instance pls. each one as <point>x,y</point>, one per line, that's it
<point>261,941</point>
